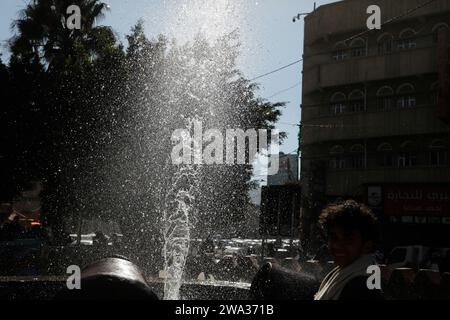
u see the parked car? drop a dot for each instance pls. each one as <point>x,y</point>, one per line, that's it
<point>415,257</point>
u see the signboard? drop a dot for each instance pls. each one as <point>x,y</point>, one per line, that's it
<point>417,200</point>
<point>410,200</point>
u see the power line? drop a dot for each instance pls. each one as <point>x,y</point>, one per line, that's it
<point>276,70</point>
<point>289,124</point>
<point>404,14</point>
<point>285,90</point>
<point>327,126</point>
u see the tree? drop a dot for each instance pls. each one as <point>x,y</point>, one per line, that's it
<point>102,120</point>
<point>167,85</point>
<point>43,34</point>
<point>70,74</point>
<point>6,161</point>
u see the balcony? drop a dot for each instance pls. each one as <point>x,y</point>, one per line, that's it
<point>345,182</point>
<point>350,16</point>
<point>371,68</point>
<point>370,124</point>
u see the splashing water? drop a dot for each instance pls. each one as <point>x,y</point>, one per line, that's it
<point>178,208</point>
<point>211,19</point>
<point>172,87</point>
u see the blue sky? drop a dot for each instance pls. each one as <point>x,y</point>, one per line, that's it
<point>269,37</point>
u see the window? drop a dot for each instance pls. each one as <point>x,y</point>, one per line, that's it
<point>385,43</point>
<point>408,155</point>
<point>338,103</point>
<point>357,157</point>
<point>356,101</point>
<point>385,155</point>
<point>339,55</point>
<point>358,48</point>
<point>407,40</point>
<point>340,52</point>
<point>438,153</point>
<point>406,96</point>
<point>439,29</point>
<point>337,158</point>
<point>385,98</point>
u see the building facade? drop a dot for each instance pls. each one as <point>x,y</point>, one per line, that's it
<point>376,113</point>
<point>287,170</point>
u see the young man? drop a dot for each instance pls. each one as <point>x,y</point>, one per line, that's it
<point>352,233</point>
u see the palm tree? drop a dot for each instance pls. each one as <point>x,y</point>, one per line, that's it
<point>44,36</point>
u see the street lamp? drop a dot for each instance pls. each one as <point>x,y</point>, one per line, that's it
<point>298,17</point>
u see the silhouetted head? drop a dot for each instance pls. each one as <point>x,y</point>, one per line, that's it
<point>351,229</point>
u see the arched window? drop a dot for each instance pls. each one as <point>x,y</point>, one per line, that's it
<point>434,94</point>
<point>338,103</point>
<point>340,51</point>
<point>385,98</point>
<point>337,157</point>
<point>407,39</point>
<point>439,28</point>
<point>358,48</point>
<point>385,155</point>
<point>356,101</point>
<point>357,156</point>
<point>440,25</point>
<point>385,43</point>
<point>438,153</point>
<point>407,156</point>
<point>406,97</point>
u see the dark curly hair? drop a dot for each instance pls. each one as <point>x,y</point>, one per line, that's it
<point>351,216</point>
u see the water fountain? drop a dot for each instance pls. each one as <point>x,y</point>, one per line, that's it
<point>178,207</point>
<point>171,86</point>
<point>195,86</point>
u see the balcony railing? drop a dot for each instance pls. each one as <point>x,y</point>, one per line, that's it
<point>398,64</point>
<point>378,117</point>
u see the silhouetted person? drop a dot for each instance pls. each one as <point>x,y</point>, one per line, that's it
<point>271,250</point>
<point>352,234</point>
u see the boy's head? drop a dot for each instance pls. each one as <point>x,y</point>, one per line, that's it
<point>351,229</point>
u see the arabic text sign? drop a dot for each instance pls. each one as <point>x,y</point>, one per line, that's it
<point>417,200</point>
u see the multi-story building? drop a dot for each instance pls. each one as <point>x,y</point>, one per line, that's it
<point>376,114</point>
<point>287,170</point>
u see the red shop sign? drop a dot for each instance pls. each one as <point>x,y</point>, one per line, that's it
<point>412,200</point>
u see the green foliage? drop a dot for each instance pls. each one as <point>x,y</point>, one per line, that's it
<point>44,36</point>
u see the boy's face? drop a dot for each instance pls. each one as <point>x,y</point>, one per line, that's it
<point>347,246</point>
